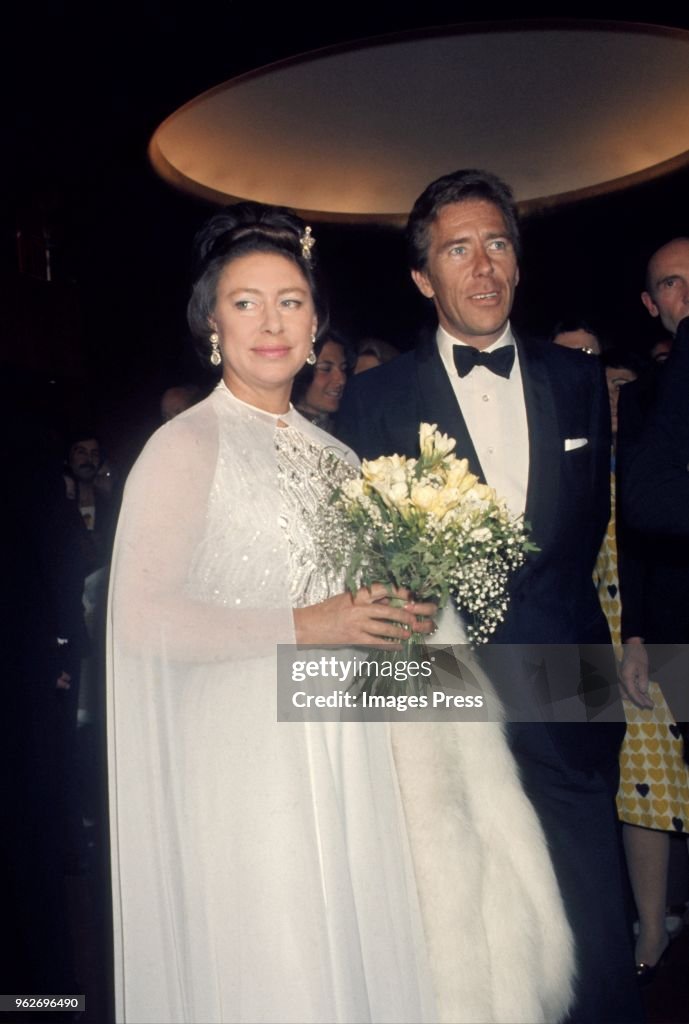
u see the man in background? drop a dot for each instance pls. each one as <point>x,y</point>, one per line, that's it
<point>178,399</point>
<point>654,475</point>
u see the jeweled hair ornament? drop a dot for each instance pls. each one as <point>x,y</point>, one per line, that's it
<point>307,242</point>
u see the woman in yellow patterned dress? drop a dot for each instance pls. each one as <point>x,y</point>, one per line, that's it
<point>653,797</point>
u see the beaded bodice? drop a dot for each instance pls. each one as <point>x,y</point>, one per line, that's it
<point>264,539</point>
<point>308,473</point>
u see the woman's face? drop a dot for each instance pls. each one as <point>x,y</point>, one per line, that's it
<point>265,317</point>
<point>324,393</point>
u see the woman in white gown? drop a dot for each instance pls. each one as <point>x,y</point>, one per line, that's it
<point>297,871</point>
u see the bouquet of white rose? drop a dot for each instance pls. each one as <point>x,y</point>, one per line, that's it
<point>428,524</point>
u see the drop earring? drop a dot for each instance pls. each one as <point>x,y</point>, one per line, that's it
<point>312,357</point>
<point>215,356</point>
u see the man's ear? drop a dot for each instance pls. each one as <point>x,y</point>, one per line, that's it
<point>421,281</point>
<point>649,303</point>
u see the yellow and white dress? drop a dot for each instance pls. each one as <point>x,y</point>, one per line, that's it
<point>654,778</point>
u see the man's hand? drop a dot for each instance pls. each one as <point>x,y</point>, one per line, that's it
<point>633,673</point>
<point>64,681</point>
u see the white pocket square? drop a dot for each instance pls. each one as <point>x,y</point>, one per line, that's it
<point>575,442</point>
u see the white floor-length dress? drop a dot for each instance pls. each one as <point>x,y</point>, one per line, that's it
<point>284,872</point>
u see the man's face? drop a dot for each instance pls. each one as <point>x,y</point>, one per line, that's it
<point>84,460</point>
<point>668,279</point>
<point>471,271</point>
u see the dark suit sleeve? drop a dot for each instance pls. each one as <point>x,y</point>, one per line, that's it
<point>352,418</point>
<point>632,558</point>
<point>596,515</point>
<point>654,478</point>
<point>380,413</point>
<point>602,442</point>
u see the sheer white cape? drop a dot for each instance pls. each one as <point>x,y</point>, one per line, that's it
<point>267,871</point>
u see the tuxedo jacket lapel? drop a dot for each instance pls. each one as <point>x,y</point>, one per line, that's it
<point>439,403</point>
<point>544,445</point>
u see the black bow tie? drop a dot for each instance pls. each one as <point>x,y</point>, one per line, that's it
<point>500,361</point>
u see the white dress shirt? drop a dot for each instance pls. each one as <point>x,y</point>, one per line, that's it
<point>495,414</point>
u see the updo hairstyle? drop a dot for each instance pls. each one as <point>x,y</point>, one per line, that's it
<point>238,231</point>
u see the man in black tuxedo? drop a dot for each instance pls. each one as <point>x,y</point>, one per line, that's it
<point>654,476</point>
<point>533,420</point>
<point>653,472</point>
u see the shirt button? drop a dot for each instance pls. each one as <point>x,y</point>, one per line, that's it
<point>485,398</point>
<point>491,450</point>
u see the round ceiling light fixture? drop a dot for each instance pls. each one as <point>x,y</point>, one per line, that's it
<point>561,110</point>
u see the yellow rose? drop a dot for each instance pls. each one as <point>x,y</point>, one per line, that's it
<point>388,476</point>
<point>435,501</point>
<point>459,476</point>
<point>423,496</point>
<point>446,499</point>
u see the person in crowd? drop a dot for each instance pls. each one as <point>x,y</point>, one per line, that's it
<point>177,399</point>
<point>373,352</point>
<point>318,387</point>
<point>91,497</point>
<point>657,462</point>
<point>621,368</point>
<point>651,757</point>
<point>577,334</point>
<point>661,350</point>
<point>533,421</point>
<point>292,871</point>
<point>654,800</point>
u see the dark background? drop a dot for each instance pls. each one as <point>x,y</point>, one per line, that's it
<point>85,88</point>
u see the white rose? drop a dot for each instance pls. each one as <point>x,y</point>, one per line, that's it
<point>423,496</point>
<point>353,490</point>
<point>443,444</point>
